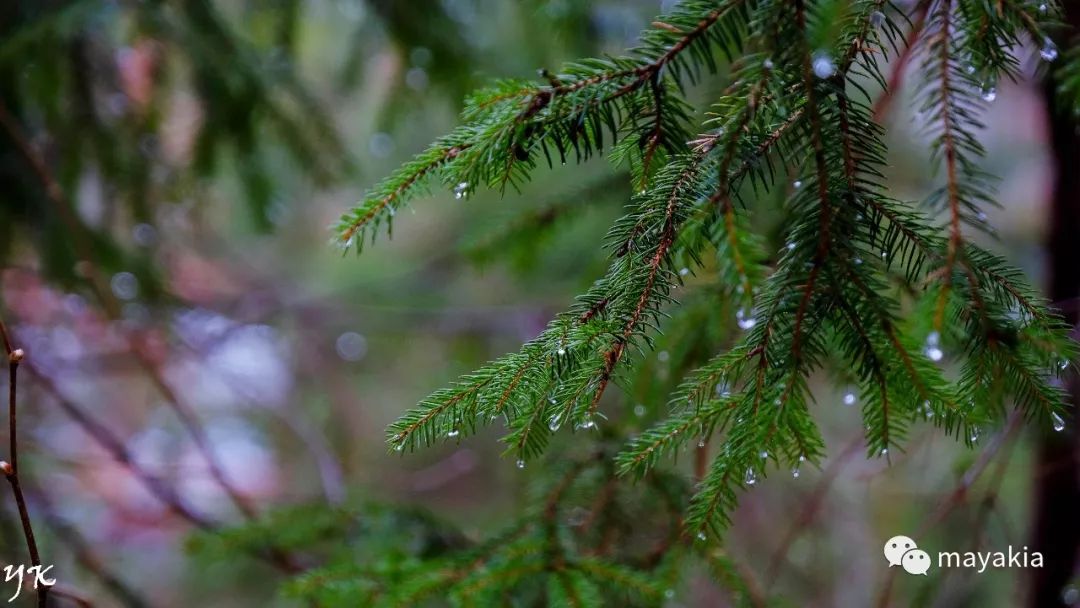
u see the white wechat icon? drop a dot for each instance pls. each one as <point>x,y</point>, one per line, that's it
<point>896,547</point>
<point>902,551</point>
<point>916,561</point>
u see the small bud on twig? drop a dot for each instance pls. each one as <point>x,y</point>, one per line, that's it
<point>16,355</point>
<point>5,468</point>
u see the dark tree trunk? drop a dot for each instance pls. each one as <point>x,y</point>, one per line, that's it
<point>1056,531</point>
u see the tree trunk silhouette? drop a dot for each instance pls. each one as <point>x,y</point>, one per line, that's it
<point>1056,530</point>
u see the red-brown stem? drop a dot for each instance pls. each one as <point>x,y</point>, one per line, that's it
<point>11,470</point>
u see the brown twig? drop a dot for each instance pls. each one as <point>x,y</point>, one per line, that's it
<point>11,469</point>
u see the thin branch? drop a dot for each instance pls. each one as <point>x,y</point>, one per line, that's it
<point>11,469</point>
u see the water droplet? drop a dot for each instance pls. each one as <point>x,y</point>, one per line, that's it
<point>351,346</point>
<point>969,68</point>
<point>850,398</point>
<point>1043,7</point>
<point>745,322</point>
<point>974,436</point>
<point>461,190</point>
<point>1049,51</point>
<point>927,409</point>
<point>795,471</point>
<point>1059,423</point>
<point>796,184</point>
<point>884,451</point>
<point>683,272</point>
<point>932,350</point>
<point>124,285</point>
<point>777,402</point>
<point>989,92</point>
<point>1070,596</point>
<point>858,261</point>
<point>823,65</point>
<point>554,424</point>
<point>520,464</point>
<point>639,410</point>
<point>453,433</point>
<point>701,536</point>
<point>561,351</point>
<point>764,455</point>
<point>877,18</point>
<point>767,64</point>
<point>144,235</point>
<point>791,246</point>
<point>663,356</point>
<point>669,593</point>
<point>1064,364</point>
<point>751,477</point>
<point>399,447</point>
<point>416,79</point>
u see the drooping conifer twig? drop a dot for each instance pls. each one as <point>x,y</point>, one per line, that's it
<point>10,469</point>
<point>795,103</point>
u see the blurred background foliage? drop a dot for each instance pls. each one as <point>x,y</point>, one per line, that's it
<point>167,173</point>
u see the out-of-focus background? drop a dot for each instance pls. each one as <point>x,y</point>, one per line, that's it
<point>168,171</point>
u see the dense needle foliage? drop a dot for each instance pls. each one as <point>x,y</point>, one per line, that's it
<point>933,328</point>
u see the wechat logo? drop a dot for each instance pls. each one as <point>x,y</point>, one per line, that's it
<point>902,551</point>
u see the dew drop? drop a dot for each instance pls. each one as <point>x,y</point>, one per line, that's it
<point>858,261</point>
<point>795,472</point>
<point>683,272</point>
<point>884,451</point>
<point>453,433</point>
<point>639,410</point>
<point>701,443</point>
<point>850,398</point>
<point>823,65</point>
<point>1049,51</point>
<point>745,322</point>
<point>561,351</point>
<point>461,190</point>
<point>701,536</point>
<point>932,350</point>
<point>520,464</point>
<point>767,64</point>
<point>974,434</point>
<point>791,246</point>
<point>554,424</point>
<point>669,593</point>
<point>751,477</point>
<point>989,92</point>
<point>1059,423</point>
<point>124,285</point>
<point>796,184</point>
<point>1064,364</point>
<point>399,447</point>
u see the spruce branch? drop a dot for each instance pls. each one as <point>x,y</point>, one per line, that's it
<point>861,281</point>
